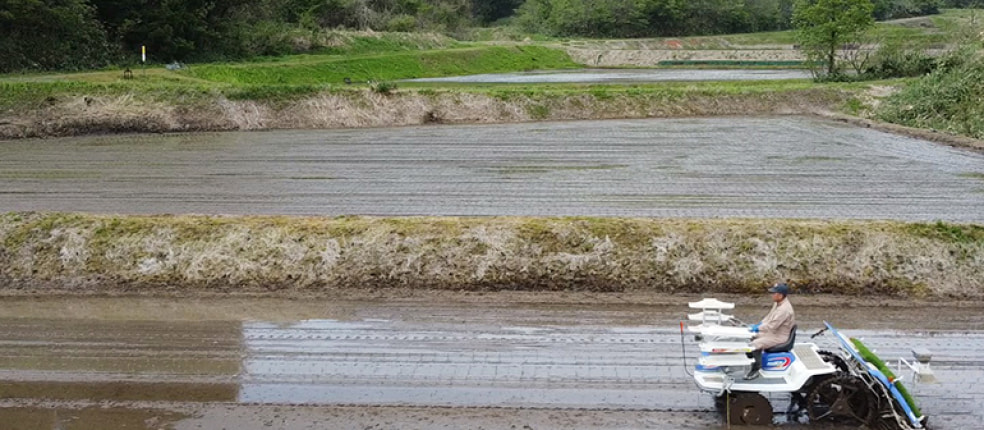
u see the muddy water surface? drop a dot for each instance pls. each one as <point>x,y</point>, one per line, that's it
<point>625,76</point>
<point>471,361</point>
<point>782,167</point>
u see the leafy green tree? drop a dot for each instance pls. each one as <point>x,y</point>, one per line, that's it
<point>533,15</point>
<point>489,11</point>
<point>716,16</point>
<point>173,29</point>
<point>50,34</point>
<point>824,26</point>
<point>667,17</point>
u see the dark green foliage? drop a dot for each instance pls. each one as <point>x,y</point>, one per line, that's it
<point>384,87</point>
<point>637,18</point>
<point>825,26</point>
<point>78,34</point>
<point>82,34</point>
<point>50,34</point>
<point>963,3</point>
<point>489,11</point>
<point>894,9</point>
<point>182,30</point>
<point>894,60</point>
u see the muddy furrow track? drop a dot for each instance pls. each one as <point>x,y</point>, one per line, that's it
<point>779,167</point>
<point>393,363</point>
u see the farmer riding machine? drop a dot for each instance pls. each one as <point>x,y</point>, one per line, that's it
<point>846,384</point>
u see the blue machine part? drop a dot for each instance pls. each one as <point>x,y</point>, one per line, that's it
<point>777,362</point>
<point>847,346</point>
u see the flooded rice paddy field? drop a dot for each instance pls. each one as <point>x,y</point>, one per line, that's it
<point>778,167</point>
<point>625,76</point>
<point>491,361</point>
<point>537,361</point>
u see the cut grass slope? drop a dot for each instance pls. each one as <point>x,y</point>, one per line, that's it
<point>80,252</point>
<point>403,65</point>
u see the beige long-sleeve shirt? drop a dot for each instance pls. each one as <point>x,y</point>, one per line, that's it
<point>776,326</point>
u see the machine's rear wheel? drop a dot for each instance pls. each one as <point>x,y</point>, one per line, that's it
<point>844,399</point>
<point>749,409</point>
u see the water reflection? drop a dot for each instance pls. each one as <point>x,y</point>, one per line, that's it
<point>625,76</point>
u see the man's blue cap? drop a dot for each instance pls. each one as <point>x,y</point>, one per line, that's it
<point>780,288</point>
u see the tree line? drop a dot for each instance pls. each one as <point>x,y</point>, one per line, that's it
<point>646,18</point>
<point>84,34</point>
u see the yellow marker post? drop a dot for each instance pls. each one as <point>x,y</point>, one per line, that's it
<point>143,53</point>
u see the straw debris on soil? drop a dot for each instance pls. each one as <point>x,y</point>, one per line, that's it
<point>86,253</point>
<point>113,113</point>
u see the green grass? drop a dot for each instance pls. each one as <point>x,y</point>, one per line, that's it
<point>311,70</point>
<point>285,78</point>
<point>38,95</point>
<point>870,357</point>
<point>953,233</point>
<point>948,99</point>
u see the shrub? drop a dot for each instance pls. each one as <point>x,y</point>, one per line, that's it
<point>947,99</point>
<point>405,23</point>
<point>382,87</point>
<point>893,60</point>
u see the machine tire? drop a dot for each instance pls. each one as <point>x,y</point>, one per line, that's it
<point>843,399</point>
<point>751,409</point>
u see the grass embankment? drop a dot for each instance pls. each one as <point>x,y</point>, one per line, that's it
<point>60,109</point>
<point>87,253</point>
<point>294,92</point>
<point>872,358</point>
<point>288,75</point>
<point>319,70</point>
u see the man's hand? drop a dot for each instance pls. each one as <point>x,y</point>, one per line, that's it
<point>754,328</point>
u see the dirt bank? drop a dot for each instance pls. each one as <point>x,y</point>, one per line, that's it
<point>602,57</point>
<point>955,141</point>
<point>76,114</point>
<point>110,254</point>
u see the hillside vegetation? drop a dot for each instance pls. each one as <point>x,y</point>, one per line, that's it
<point>950,99</point>
<point>87,253</point>
<point>86,34</point>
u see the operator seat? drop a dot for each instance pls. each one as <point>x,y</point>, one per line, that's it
<point>787,346</point>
